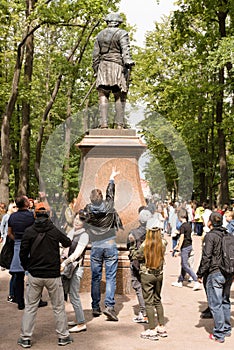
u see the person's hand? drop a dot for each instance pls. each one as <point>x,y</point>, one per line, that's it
<point>114,173</point>
<point>62,267</point>
<point>42,195</point>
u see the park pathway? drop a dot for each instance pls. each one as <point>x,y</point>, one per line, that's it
<point>182,312</point>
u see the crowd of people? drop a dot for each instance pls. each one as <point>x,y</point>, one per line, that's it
<point>38,255</point>
<point>181,222</point>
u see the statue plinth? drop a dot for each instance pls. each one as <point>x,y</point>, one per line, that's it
<point>103,149</point>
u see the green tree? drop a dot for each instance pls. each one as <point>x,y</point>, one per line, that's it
<point>53,40</point>
<point>176,78</point>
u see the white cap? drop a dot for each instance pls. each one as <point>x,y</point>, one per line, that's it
<point>144,216</point>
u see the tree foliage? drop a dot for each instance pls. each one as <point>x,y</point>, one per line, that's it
<point>185,74</point>
<point>62,34</point>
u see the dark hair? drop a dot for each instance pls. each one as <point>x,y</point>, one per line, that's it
<point>83,214</point>
<point>216,219</point>
<point>96,196</point>
<point>20,201</point>
<point>142,207</point>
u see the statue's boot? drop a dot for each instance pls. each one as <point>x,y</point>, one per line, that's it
<point>103,114</point>
<point>120,102</point>
<point>103,108</point>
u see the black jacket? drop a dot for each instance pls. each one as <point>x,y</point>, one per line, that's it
<point>139,236</point>
<point>45,259</point>
<point>211,260</point>
<point>103,220</point>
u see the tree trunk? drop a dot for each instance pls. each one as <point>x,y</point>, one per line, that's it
<point>5,128</point>
<point>41,131</point>
<point>25,130</point>
<point>55,92</point>
<point>202,175</point>
<point>224,190</point>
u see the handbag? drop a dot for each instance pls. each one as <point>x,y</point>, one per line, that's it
<point>7,253</point>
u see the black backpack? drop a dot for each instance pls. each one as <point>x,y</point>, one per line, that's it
<point>228,253</point>
<point>227,244</point>
<point>7,253</point>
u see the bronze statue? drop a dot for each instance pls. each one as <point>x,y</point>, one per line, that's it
<point>112,63</point>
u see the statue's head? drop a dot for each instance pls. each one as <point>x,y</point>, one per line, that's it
<point>113,19</point>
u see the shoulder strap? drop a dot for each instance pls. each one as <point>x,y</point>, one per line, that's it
<point>37,241</point>
<point>111,40</point>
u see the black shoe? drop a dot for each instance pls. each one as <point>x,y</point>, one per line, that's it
<point>206,315</point>
<point>21,306</point>
<point>42,303</point>
<point>24,343</point>
<point>65,341</point>
<point>97,312</point>
<point>206,310</point>
<point>110,313</point>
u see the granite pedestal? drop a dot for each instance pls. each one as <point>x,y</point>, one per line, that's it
<point>101,150</point>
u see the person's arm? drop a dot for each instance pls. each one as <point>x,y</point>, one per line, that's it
<point>110,191</point>
<point>10,233</point>
<point>25,247</point>
<point>64,240</point>
<point>2,228</point>
<point>83,242</point>
<point>206,258</point>
<point>179,244</point>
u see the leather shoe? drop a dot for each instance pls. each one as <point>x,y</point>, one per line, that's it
<point>206,315</point>
<point>78,328</point>
<point>97,312</point>
<point>42,303</point>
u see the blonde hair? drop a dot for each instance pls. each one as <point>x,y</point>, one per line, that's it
<point>230,213</point>
<point>154,248</point>
<point>11,208</point>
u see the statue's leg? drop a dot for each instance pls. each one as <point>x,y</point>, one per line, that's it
<point>103,107</point>
<point>120,102</point>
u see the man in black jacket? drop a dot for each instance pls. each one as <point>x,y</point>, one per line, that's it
<point>101,226</point>
<point>218,283</point>
<point>40,256</point>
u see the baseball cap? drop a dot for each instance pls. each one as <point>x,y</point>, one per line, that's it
<point>144,216</point>
<point>41,209</point>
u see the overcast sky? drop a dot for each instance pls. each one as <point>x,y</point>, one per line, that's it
<point>143,14</point>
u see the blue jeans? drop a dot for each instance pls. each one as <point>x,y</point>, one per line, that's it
<point>104,252</point>
<point>185,268</point>
<point>74,294</point>
<point>218,295</point>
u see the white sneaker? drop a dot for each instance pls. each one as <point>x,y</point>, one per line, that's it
<point>177,284</point>
<point>150,334</point>
<point>161,331</point>
<point>72,323</point>
<point>140,318</point>
<point>197,286</point>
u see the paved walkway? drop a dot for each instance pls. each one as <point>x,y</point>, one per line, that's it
<point>182,312</point>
